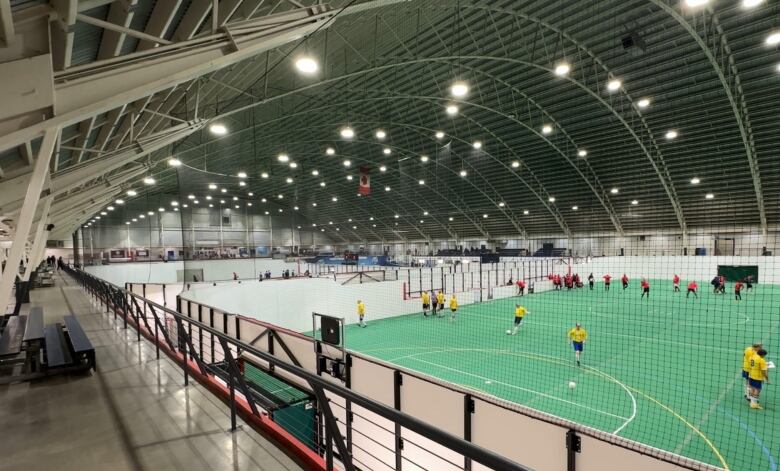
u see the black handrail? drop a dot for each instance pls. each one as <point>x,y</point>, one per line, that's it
<point>317,384</point>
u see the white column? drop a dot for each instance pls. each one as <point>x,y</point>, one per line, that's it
<point>39,244</point>
<point>24,223</point>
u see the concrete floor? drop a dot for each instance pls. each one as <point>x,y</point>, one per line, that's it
<point>132,414</point>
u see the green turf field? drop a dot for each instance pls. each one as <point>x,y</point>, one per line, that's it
<point>663,371</point>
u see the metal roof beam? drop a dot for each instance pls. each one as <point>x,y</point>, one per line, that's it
<point>120,15</point>
<point>732,86</point>
<point>159,22</point>
<point>104,85</point>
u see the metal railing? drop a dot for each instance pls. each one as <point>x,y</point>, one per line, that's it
<point>155,322</point>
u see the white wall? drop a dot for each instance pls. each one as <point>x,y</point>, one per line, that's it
<point>159,272</point>
<point>290,303</point>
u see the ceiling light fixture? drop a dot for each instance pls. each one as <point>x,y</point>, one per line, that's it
<point>547,129</point>
<point>551,199</point>
<point>315,172</point>
<point>322,184</point>
<point>347,163</point>
<point>264,175</point>
<point>421,182</point>
<point>330,151</point>
<point>387,188</point>
<point>387,151</point>
<point>149,181</point>
<point>562,69</point>
<point>242,174</point>
<point>218,129</point>
<point>306,65</point>
<point>751,3</point>
<point>380,134</point>
<point>347,132</point>
<point>451,110</point>
<point>695,181</point>
<point>283,158</point>
<point>463,173</point>
<point>515,164</point>
<point>119,201</point>
<point>383,168</point>
<point>293,165</point>
<point>174,162</point>
<point>643,103</point>
<point>614,85</point>
<point>575,208</point>
<point>634,202</point>
<point>614,191</point>
<point>477,144</point>
<point>773,38</point>
<point>582,153</point>
<point>709,196</point>
<point>459,89</point>
<point>212,186</point>
<point>423,158</point>
<point>671,134</point>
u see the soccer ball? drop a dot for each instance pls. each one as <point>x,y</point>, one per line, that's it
<point>572,385</point>
<point>509,332</point>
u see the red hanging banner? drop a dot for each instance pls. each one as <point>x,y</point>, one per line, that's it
<point>365,181</point>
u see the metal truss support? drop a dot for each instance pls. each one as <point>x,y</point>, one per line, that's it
<point>98,87</point>
<point>12,197</point>
<point>25,220</point>
<point>723,62</point>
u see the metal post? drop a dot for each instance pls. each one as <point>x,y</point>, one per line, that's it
<point>232,401</point>
<point>573,446</point>
<point>399,442</point>
<point>468,410</point>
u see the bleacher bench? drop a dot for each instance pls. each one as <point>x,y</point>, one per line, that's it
<point>13,334</point>
<point>68,346</point>
<point>82,347</point>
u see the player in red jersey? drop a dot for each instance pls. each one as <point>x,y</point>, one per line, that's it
<point>692,286</point>
<point>607,281</point>
<point>676,283</point>
<point>738,291</point>
<point>645,288</point>
<point>624,280</point>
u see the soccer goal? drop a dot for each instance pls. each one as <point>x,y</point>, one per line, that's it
<point>359,277</point>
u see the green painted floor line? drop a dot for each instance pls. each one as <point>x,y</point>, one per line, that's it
<point>663,371</point>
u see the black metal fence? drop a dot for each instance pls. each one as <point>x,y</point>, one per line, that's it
<point>171,333</point>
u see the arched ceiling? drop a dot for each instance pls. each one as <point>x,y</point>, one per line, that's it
<point>707,72</point>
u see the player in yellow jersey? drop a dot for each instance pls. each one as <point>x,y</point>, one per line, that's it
<point>520,313</point>
<point>440,300</point>
<point>749,352</point>
<point>578,336</point>
<point>426,302</point>
<point>758,375</point>
<point>453,307</point>
<point>361,310</point>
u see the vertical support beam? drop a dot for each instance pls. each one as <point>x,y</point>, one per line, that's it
<point>7,34</point>
<point>39,243</point>
<point>76,254</point>
<point>24,223</point>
